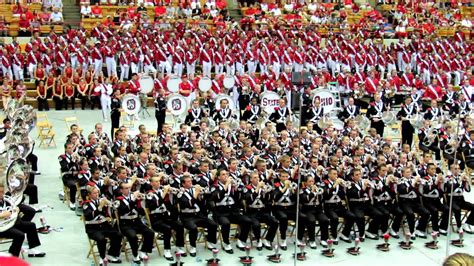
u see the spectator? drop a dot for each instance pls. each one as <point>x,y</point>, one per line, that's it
<point>56,17</point>
<point>96,11</point>
<point>141,9</point>
<point>24,23</point>
<point>132,11</point>
<point>44,16</point>
<point>86,10</point>
<point>47,4</point>
<point>57,4</point>
<point>160,11</point>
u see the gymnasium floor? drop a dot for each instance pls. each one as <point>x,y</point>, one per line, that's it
<point>67,243</point>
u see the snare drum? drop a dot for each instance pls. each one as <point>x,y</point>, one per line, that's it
<point>131,104</point>
<point>229,81</point>
<point>205,84</point>
<point>173,83</point>
<point>146,84</point>
<point>177,104</point>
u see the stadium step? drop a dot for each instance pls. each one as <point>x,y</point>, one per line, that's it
<point>71,13</point>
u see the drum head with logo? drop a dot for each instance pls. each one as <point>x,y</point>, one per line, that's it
<point>229,81</point>
<point>269,100</point>
<point>327,100</point>
<point>177,104</point>
<point>131,104</point>
<point>221,97</point>
<point>173,83</point>
<point>146,84</point>
<point>205,84</point>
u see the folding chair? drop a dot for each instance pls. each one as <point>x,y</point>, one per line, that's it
<point>124,248</point>
<point>4,241</point>
<point>92,244</point>
<point>42,123</point>
<point>126,122</point>
<point>47,138</point>
<point>155,240</point>
<point>71,120</point>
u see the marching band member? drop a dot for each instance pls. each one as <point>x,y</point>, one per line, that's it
<point>252,112</point>
<point>432,190</point>
<point>374,113</point>
<point>115,110</point>
<point>224,113</point>
<point>407,112</point>
<point>280,116</point>
<point>192,217</point>
<point>105,90</point>
<point>226,197</point>
<point>162,218</point>
<point>19,229</point>
<point>455,186</point>
<point>69,172</point>
<point>98,227</point>
<point>127,206</point>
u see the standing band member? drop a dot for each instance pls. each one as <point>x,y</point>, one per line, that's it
<point>115,110</point>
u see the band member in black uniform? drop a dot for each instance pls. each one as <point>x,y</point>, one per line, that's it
<point>252,111</point>
<point>223,113</point>
<point>428,138</point>
<point>384,196</point>
<point>258,200</point>
<point>18,230</point>
<point>374,113</point>
<point>115,108</point>
<point>447,144</point>
<point>281,114</point>
<point>433,113</point>
<point>311,199</point>
<point>160,110</point>
<point>359,204</point>
<point>227,197</point>
<point>98,228</point>
<point>460,107</point>
<point>432,191</point>
<point>334,192</point>
<point>467,149</point>
<point>194,116</point>
<point>350,111</point>
<point>130,225</point>
<point>410,203</point>
<point>407,112</point>
<point>284,198</point>
<point>192,217</point>
<point>162,219</point>
<point>314,114</point>
<point>69,172</point>
<point>458,183</point>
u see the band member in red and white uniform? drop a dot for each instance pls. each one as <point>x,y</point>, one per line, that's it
<point>148,64</point>
<point>178,60</point>
<point>251,57</point>
<point>97,59</point>
<point>109,53</point>
<point>433,91</point>
<point>219,60</point>
<point>275,61</point>
<point>191,58</point>
<point>371,83</point>
<point>18,63</point>
<point>206,59</point>
<point>124,60</point>
<point>105,90</point>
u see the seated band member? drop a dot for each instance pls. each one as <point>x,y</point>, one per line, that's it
<point>258,200</point>
<point>162,218</point>
<point>458,183</point>
<point>18,230</point>
<point>432,190</point>
<point>226,197</point>
<point>359,204</point>
<point>311,199</point>
<point>127,205</point>
<point>98,228</point>
<point>334,192</point>
<point>409,202</point>
<point>191,216</point>
<point>69,172</point>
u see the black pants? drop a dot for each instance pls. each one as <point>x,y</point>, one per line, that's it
<point>386,208</point>
<point>283,215</point>
<point>100,233</point>
<point>407,133</point>
<point>17,234</point>
<point>165,225</point>
<point>58,103</point>
<point>84,100</point>
<point>360,210</point>
<point>70,183</point>
<point>333,212</point>
<point>379,127</point>
<point>71,100</point>
<point>225,216</point>
<point>434,206</point>
<point>411,206</point>
<point>459,203</point>
<point>115,118</point>
<point>130,229</point>
<point>95,100</point>
<point>28,212</point>
<point>32,159</point>
<point>32,192</point>
<point>160,119</point>
<point>260,216</point>
<point>43,104</point>
<point>192,221</point>
<point>311,216</point>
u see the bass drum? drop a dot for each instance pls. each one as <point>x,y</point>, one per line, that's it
<point>221,97</point>
<point>205,84</point>
<point>173,83</point>
<point>131,104</point>
<point>146,84</point>
<point>229,81</point>
<point>177,104</point>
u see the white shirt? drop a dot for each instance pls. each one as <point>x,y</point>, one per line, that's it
<point>86,10</point>
<point>56,17</point>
